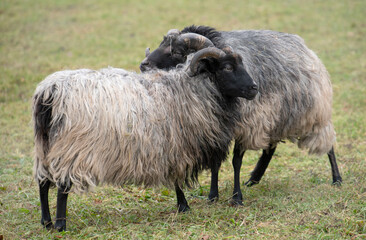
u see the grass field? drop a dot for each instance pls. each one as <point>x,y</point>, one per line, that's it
<point>295,199</point>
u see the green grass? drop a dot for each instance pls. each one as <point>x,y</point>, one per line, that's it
<point>295,199</point>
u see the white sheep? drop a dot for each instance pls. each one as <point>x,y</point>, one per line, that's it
<point>117,127</point>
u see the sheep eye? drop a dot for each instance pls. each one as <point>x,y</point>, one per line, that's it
<point>228,68</point>
<point>177,53</point>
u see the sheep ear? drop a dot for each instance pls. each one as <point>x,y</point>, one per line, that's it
<point>147,52</point>
<point>208,65</point>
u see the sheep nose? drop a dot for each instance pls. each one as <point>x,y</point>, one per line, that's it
<point>254,87</point>
<point>144,66</point>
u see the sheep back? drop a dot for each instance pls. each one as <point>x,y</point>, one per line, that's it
<point>295,93</point>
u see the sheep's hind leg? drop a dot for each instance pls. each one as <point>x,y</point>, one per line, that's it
<point>43,196</point>
<point>214,189</point>
<point>337,179</point>
<point>261,166</point>
<point>237,161</point>
<point>181,199</point>
<point>62,194</point>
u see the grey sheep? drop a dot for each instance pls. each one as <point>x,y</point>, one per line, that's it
<point>294,100</point>
<point>117,127</point>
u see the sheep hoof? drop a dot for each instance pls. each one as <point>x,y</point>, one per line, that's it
<point>337,182</point>
<point>48,225</point>
<point>213,196</point>
<point>250,183</point>
<point>183,208</point>
<point>212,200</point>
<point>61,226</point>
<point>236,202</point>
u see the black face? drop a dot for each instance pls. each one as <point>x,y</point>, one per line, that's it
<point>164,58</point>
<point>232,79</point>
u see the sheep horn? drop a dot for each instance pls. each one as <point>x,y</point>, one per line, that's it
<point>228,49</point>
<point>173,32</point>
<point>211,52</point>
<point>147,52</point>
<point>194,41</point>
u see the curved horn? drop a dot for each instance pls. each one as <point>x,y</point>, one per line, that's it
<point>147,52</point>
<point>211,52</point>
<point>173,32</point>
<point>194,41</point>
<point>228,49</point>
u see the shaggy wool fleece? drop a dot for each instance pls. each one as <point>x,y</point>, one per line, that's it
<point>295,92</point>
<point>117,127</point>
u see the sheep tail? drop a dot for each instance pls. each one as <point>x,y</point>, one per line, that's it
<point>42,117</point>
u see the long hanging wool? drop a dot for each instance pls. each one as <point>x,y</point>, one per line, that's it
<point>117,127</point>
<point>295,92</point>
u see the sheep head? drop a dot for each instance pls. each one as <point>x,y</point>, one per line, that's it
<point>174,50</point>
<point>228,70</point>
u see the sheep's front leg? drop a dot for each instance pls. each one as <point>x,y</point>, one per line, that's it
<point>62,195</point>
<point>181,199</point>
<point>237,161</point>
<point>337,179</point>
<point>261,166</point>
<point>43,196</point>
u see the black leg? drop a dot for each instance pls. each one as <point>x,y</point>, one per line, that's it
<point>181,199</point>
<point>43,196</point>
<point>237,161</point>
<point>261,166</point>
<point>62,195</point>
<point>214,189</point>
<point>337,179</point>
